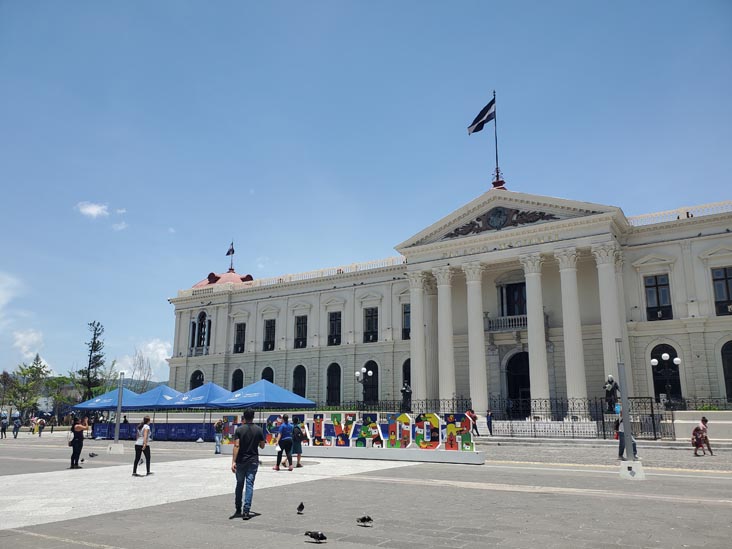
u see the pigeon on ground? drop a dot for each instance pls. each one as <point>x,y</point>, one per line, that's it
<point>81,460</point>
<point>92,455</point>
<point>364,520</point>
<point>300,508</point>
<point>317,536</point>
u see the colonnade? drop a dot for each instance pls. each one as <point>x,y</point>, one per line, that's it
<point>606,255</point>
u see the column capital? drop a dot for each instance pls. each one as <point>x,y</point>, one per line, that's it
<point>567,258</point>
<point>416,280</point>
<point>430,286</point>
<point>443,275</point>
<point>531,263</point>
<point>473,271</point>
<point>605,253</point>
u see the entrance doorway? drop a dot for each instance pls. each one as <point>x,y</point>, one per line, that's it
<point>518,383</point>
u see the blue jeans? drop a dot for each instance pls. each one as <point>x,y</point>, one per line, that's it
<point>245,473</point>
<point>217,438</point>
<point>621,445</point>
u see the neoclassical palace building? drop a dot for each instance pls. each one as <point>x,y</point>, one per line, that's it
<point>514,295</point>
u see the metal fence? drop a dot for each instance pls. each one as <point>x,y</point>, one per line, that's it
<point>436,406</point>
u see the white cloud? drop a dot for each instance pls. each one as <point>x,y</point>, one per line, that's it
<point>28,342</point>
<point>262,262</point>
<point>120,211</point>
<point>120,226</point>
<point>156,351</point>
<point>90,209</point>
<point>171,230</point>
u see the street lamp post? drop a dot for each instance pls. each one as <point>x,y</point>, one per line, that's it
<point>667,371</point>
<point>362,376</point>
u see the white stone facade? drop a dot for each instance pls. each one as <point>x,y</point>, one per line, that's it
<point>576,273</point>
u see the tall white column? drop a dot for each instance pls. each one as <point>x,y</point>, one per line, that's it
<point>446,352</point>
<point>476,337</point>
<point>605,255</point>
<point>622,317</point>
<point>430,318</point>
<point>538,370</point>
<point>574,356</point>
<point>416,336</point>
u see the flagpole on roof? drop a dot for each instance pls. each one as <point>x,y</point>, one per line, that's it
<point>231,253</point>
<point>495,137</point>
<point>485,115</point>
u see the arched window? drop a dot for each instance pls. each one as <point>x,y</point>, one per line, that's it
<point>666,377</point>
<point>333,390</point>
<point>237,380</point>
<point>298,380</point>
<point>203,330</point>
<point>727,368</point>
<point>268,374</point>
<point>518,383</point>
<point>196,380</point>
<point>371,383</point>
<point>407,371</point>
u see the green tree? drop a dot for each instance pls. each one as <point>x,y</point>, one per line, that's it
<point>28,384</point>
<point>87,379</point>
<point>57,389</point>
<point>6,384</point>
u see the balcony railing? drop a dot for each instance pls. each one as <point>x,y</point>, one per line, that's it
<point>198,351</point>
<point>681,213</point>
<point>505,323</point>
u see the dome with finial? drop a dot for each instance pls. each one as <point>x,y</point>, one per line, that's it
<point>223,278</point>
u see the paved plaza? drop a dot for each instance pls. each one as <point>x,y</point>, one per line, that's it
<point>528,494</point>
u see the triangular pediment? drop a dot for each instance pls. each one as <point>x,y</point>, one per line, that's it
<point>500,210</point>
<point>723,251</point>
<point>653,260</point>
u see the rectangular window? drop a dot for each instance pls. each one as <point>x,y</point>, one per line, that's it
<point>658,298</point>
<point>371,324</point>
<point>406,320</point>
<point>334,328</point>
<point>193,334</point>
<point>722,281</point>
<point>269,334</point>
<point>513,299</point>
<point>301,332</point>
<point>240,336</point>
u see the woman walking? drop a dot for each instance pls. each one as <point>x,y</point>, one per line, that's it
<point>142,446</point>
<point>77,441</point>
<point>284,439</point>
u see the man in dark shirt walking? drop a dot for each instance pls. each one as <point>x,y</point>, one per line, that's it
<point>248,439</point>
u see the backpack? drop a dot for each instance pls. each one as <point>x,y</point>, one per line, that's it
<point>297,434</point>
<point>616,425</point>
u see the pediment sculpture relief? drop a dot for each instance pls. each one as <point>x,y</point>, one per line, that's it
<point>499,218</point>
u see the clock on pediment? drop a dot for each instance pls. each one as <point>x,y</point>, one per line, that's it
<point>499,218</point>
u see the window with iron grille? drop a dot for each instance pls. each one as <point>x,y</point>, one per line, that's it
<point>370,324</point>
<point>204,327</point>
<point>301,332</point>
<point>722,281</point>
<point>406,320</point>
<point>334,328</point>
<point>240,335</point>
<point>269,334</point>
<point>658,297</point>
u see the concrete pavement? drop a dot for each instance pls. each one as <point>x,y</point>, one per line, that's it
<point>531,495</point>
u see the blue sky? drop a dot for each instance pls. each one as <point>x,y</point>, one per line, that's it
<point>138,138</point>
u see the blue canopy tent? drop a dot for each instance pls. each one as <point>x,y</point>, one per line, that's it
<point>200,397</point>
<point>108,401</point>
<point>157,398</point>
<point>263,394</point>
